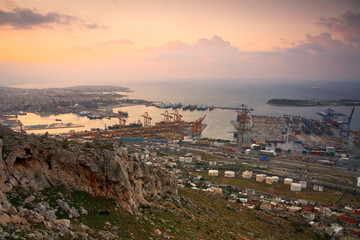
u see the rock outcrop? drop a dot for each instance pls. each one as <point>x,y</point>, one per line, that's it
<point>32,163</point>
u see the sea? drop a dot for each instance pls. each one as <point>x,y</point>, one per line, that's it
<point>218,94</point>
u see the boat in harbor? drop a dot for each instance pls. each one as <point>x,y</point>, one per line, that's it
<point>133,125</point>
<point>95,116</point>
<point>165,105</point>
<point>84,113</point>
<point>193,107</point>
<point>177,106</point>
<point>202,108</point>
<point>187,107</point>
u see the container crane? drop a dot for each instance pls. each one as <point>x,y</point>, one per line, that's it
<point>330,116</point>
<point>241,119</point>
<point>177,116</point>
<point>147,119</point>
<point>344,125</point>
<point>167,117</point>
<point>122,120</point>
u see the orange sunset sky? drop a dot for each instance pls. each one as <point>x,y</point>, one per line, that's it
<point>69,42</point>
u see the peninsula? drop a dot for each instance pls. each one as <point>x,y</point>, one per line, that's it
<point>313,102</point>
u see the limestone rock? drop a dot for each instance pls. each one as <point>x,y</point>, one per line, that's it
<point>83,211</point>
<point>63,222</point>
<point>4,219</point>
<point>50,215</point>
<point>73,213</point>
<point>63,205</point>
<point>36,165</point>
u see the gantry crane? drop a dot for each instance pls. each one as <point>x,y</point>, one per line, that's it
<point>167,117</point>
<point>177,116</point>
<point>330,116</point>
<point>147,119</point>
<point>344,125</point>
<point>122,120</point>
<point>241,119</point>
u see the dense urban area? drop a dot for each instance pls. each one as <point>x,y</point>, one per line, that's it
<point>289,167</point>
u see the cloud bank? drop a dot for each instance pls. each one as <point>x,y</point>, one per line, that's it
<point>25,18</point>
<point>347,25</point>
<point>331,55</point>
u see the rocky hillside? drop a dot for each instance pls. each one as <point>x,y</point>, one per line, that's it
<point>61,190</point>
<point>34,164</point>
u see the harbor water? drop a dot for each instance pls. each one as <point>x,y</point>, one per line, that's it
<point>230,94</point>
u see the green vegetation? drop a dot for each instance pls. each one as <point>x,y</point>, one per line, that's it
<point>199,216</point>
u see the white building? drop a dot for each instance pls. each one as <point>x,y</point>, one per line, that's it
<point>213,173</point>
<point>229,174</point>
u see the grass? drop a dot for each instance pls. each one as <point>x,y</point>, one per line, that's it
<point>350,198</point>
<point>200,216</point>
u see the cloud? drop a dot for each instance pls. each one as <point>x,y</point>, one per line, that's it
<point>25,18</point>
<point>121,41</point>
<point>316,57</point>
<point>205,50</point>
<point>348,25</point>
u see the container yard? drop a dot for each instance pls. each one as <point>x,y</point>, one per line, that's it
<point>267,130</point>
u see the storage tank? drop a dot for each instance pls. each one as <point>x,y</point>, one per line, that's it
<point>269,180</point>
<point>213,173</point>
<point>229,174</point>
<point>260,177</point>
<point>275,179</point>
<point>295,187</point>
<point>247,174</point>
<point>303,184</point>
<point>288,181</point>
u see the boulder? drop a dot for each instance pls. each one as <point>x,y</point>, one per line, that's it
<point>63,222</point>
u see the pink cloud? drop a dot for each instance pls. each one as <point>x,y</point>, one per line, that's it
<point>315,57</point>
<point>348,25</point>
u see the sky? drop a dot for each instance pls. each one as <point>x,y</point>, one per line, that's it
<point>65,42</point>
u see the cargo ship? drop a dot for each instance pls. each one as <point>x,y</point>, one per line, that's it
<point>84,113</point>
<point>131,125</point>
<point>95,116</point>
<point>202,108</point>
<point>187,107</point>
<point>165,105</point>
<point>193,108</point>
<point>177,106</point>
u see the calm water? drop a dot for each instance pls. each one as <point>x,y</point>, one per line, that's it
<point>227,94</point>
